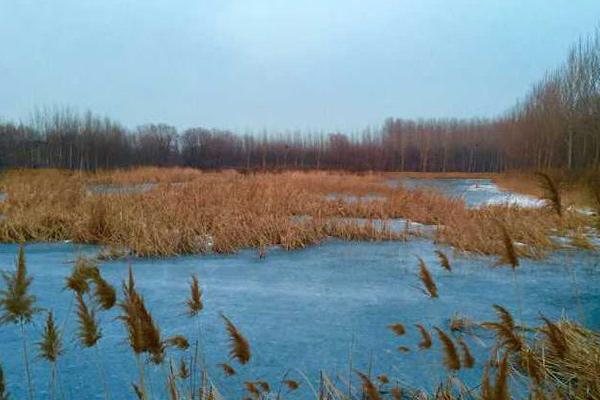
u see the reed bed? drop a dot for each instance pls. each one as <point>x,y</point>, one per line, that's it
<point>189,212</point>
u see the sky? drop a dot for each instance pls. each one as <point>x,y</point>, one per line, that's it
<point>253,65</point>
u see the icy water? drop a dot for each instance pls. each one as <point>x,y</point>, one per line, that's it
<point>475,192</point>
<point>307,310</point>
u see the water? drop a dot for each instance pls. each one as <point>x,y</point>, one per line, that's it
<point>309,310</point>
<point>121,189</point>
<point>475,192</point>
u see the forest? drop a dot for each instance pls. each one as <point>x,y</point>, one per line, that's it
<point>555,126</point>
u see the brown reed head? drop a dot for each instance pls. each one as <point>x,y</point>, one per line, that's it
<point>467,358</point>
<point>130,315</point>
<point>178,341</point>
<point>194,302</point>
<point>50,347</point>
<point>505,330</point>
<point>552,193</point>
<point>556,337</point>
<point>184,371</point>
<point>104,293</point>
<point>84,271</point>
<point>429,286</point>
<point>501,389</point>
<point>89,331</point>
<point>239,345</point>
<point>451,359</point>
<point>397,328</point>
<point>227,369</point>
<point>444,261</point>
<point>142,331</point>
<point>291,384</point>
<point>510,255</point>
<point>370,391</point>
<point>17,304</point>
<point>426,341</point>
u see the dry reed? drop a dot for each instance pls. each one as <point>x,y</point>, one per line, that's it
<point>429,286</point>
<point>451,358</point>
<point>426,341</point>
<point>239,345</point>
<point>224,212</point>
<point>444,261</point>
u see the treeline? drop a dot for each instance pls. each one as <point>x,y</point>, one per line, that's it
<point>556,126</point>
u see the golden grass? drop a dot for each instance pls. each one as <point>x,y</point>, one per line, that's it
<point>188,212</point>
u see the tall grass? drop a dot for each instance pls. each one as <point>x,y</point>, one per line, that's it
<point>18,306</point>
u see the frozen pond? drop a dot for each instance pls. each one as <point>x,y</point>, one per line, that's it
<point>307,310</point>
<point>121,189</point>
<point>475,192</point>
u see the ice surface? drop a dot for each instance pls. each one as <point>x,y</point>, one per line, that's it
<point>302,309</point>
<point>475,192</point>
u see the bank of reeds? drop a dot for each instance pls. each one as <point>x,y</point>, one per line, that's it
<point>188,212</point>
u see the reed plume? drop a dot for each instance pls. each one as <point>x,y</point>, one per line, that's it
<point>18,306</point>
<point>143,332</point>
<point>290,383</point>
<point>239,346</point>
<point>178,341</point>
<point>398,329</point>
<point>150,331</point>
<point>89,331</point>
<point>429,285</point>
<point>370,391</point>
<point>184,371</point>
<point>510,253</point>
<point>227,369</point>
<point>556,337</point>
<point>552,192</point>
<point>130,315</point>
<point>426,341</point>
<point>467,358</point>
<point>51,347</point>
<point>252,389</point>
<point>104,293</point>
<point>263,385</point>
<point>505,330</point>
<point>486,391</point>
<point>451,359</point>
<point>84,271</point>
<point>501,390</point>
<point>444,261</point>
<point>194,303</point>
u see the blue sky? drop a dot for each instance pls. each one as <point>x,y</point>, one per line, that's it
<point>250,65</point>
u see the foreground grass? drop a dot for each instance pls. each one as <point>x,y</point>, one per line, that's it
<point>558,359</point>
<point>185,211</point>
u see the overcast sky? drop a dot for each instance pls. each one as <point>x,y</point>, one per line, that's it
<point>289,64</point>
